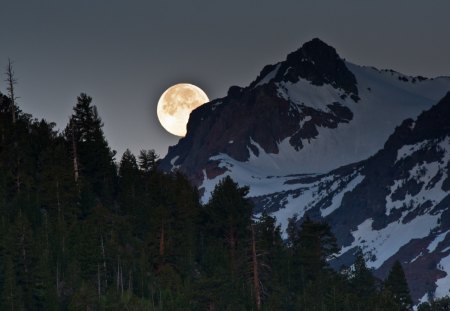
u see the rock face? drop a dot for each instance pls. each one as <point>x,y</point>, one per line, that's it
<point>317,135</point>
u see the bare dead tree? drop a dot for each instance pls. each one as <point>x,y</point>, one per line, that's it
<point>11,81</point>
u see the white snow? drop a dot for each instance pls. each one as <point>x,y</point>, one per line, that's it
<point>432,246</point>
<point>337,199</point>
<point>305,93</point>
<point>417,257</point>
<point>269,76</point>
<point>408,150</point>
<point>422,173</point>
<point>424,298</point>
<point>172,163</point>
<point>386,242</point>
<point>443,284</point>
<point>445,249</point>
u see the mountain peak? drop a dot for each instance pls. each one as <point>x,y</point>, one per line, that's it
<point>314,49</point>
<point>316,62</point>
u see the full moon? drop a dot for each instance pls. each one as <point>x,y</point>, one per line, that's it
<point>175,105</point>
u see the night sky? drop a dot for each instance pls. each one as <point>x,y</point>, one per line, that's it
<point>126,53</point>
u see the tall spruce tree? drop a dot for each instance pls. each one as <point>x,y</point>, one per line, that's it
<point>313,244</point>
<point>396,283</point>
<point>93,158</point>
<point>128,182</point>
<point>230,213</point>
<point>362,280</point>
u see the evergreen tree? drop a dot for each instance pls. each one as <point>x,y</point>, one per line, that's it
<point>272,260</point>
<point>128,182</point>
<point>362,280</point>
<point>313,244</point>
<point>230,215</point>
<point>224,244</point>
<point>91,151</point>
<point>148,160</point>
<point>397,285</point>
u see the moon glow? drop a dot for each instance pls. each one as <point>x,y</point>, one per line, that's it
<point>175,105</point>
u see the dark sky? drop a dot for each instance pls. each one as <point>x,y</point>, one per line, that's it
<point>126,53</point>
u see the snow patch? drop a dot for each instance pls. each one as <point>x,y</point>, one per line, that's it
<point>443,284</point>
<point>422,173</point>
<point>337,199</point>
<point>172,163</point>
<point>417,257</point>
<point>445,249</point>
<point>408,150</point>
<point>432,246</point>
<point>268,77</point>
<point>384,243</point>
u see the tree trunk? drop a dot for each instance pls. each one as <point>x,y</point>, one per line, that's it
<point>98,281</point>
<point>232,245</point>
<point>75,156</point>
<point>104,262</point>
<point>58,202</point>
<point>57,279</point>
<point>256,284</point>
<point>118,274</point>
<point>121,280</point>
<point>18,174</point>
<point>161,241</point>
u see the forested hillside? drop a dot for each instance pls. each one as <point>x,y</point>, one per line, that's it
<point>80,231</point>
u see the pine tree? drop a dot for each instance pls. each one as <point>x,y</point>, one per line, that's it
<point>272,261</point>
<point>230,213</point>
<point>362,280</point>
<point>92,156</point>
<point>148,160</point>
<point>313,244</point>
<point>128,182</point>
<point>397,285</point>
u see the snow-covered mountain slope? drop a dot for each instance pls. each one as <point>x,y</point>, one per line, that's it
<point>394,205</point>
<point>311,113</point>
<point>312,134</point>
